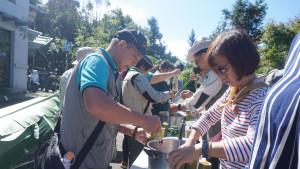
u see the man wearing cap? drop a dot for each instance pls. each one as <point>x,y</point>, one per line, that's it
<point>210,90</point>
<point>80,53</point>
<point>210,85</point>
<point>91,96</point>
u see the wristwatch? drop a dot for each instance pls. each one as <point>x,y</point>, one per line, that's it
<point>179,106</point>
<point>205,148</point>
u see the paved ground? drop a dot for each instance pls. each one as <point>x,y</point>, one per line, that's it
<point>8,97</point>
<point>116,163</point>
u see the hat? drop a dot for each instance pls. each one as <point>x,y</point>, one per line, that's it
<point>148,60</point>
<point>81,52</point>
<point>136,38</point>
<point>200,43</point>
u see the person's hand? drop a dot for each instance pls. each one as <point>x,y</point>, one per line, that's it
<point>171,94</point>
<point>176,72</point>
<point>186,94</point>
<point>196,114</point>
<point>151,124</point>
<point>186,144</point>
<point>184,155</point>
<point>173,108</point>
<point>142,136</point>
<point>193,77</point>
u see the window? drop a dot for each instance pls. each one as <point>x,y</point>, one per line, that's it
<point>5,48</point>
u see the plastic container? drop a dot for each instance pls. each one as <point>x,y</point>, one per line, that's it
<point>188,125</point>
<point>174,132</point>
<point>67,159</point>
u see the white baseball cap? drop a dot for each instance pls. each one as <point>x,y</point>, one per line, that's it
<point>200,43</point>
<point>81,52</point>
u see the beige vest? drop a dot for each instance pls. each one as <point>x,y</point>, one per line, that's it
<point>78,124</point>
<point>132,97</point>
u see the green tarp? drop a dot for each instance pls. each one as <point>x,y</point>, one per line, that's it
<point>26,127</point>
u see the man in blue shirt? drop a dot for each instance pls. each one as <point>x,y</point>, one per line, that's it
<point>91,96</point>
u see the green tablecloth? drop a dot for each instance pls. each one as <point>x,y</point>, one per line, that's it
<point>25,127</point>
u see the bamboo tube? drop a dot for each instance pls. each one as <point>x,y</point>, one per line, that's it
<point>204,165</point>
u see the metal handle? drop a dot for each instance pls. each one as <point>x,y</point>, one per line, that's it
<point>152,153</point>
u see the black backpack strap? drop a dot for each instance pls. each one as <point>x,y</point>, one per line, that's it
<point>146,108</point>
<point>57,126</point>
<point>132,78</point>
<point>132,81</point>
<point>88,145</point>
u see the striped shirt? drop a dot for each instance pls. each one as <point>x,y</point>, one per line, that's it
<point>276,143</point>
<point>237,131</point>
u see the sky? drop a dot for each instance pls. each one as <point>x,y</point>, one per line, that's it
<point>177,18</point>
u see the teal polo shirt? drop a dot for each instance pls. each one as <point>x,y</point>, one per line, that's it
<point>149,76</point>
<point>94,71</point>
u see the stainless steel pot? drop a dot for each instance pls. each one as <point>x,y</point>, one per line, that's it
<point>158,153</point>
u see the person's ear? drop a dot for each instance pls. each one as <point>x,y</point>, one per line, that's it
<point>122,44</point>
<point>144,69</point>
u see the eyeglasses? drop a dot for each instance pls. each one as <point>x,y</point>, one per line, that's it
<point>221,70</point>
<point>197,57</point>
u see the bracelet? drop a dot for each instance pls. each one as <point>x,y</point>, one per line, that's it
<point>179,106</point>
<point>134,132</point>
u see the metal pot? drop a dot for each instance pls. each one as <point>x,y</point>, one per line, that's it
<point>158,153</point>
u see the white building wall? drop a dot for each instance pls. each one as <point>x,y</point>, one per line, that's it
<point>20,62</point>
<point>19,10</point>
<point>19,48</point>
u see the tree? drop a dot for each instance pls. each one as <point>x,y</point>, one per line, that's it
<point>116,21</point>
<point>187,83</point>
<point>35,2</point>
<point>62,19</point>
<point>245,15</point>
<point>155,48</point>
<point>276,41</point>
<point>192,38</point>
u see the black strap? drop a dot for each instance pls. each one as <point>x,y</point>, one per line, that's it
<point>88,145</point>
<point>132,79</point>
<point>146,108</point>
<point>57,126</point>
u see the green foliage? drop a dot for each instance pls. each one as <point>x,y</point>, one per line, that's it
<point>66,22</point>
<point>276,43</point>
<point>34,2</point>
<point>4,43</point>
<point>153,59</point>
<point>245,15</point>
<point>186,82</point>
<point>155,48</point>
<point>61,21</point>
